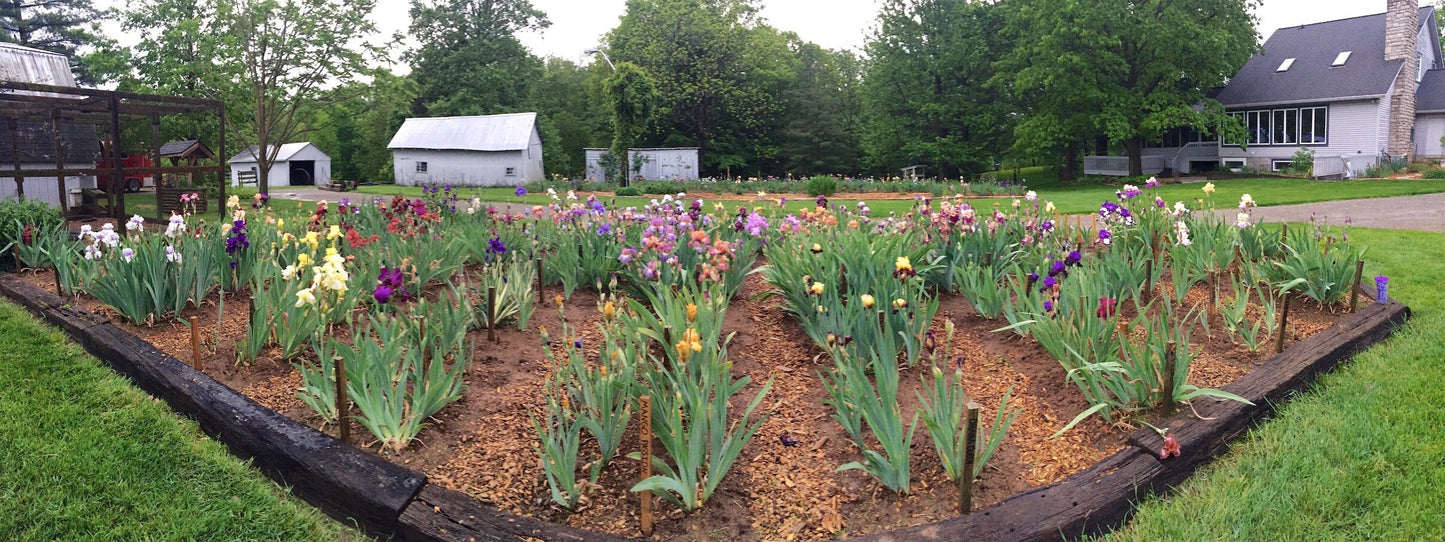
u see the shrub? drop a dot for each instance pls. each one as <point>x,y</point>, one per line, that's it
<point>15,215</point>
<point>821,185</point>
<point>1303,162</point>
<point>628,191</point>
<point>1436,174</point>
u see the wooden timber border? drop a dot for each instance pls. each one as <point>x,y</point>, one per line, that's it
<point>388,501</point>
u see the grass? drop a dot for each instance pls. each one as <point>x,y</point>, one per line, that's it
<point>1068,198</point>
<point>1360,457</point>
<point>84,455</point>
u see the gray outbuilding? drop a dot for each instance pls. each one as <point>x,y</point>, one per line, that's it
<point>297,164</point>
<point>489,150</point>
<point>670,164</point>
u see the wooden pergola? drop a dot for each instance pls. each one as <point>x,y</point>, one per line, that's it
<point>61,105</point>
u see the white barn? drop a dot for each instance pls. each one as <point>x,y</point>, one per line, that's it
<point>297,164</point>
<point>490,150</point>
<point>674,164</point>
<point>35,139</point>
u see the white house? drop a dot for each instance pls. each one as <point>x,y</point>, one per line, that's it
<point>1353,91</point>
<point>674,164</point>
<point>490,150</point>
<point>297,164</point>
<point>35,138</point>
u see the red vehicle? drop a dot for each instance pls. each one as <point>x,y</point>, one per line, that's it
<point>133,181</point>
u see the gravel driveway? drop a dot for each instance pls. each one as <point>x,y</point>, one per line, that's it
<point>1423,213</point>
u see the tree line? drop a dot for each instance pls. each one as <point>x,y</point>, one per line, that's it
<point>956,86</point>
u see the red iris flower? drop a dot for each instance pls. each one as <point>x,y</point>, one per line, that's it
<point>1107,307</point>
<point>1171,447</point>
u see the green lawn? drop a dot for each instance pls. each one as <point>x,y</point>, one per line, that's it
<point>1069,199</point>
<point>86,456</point>
<point>1362,457</point>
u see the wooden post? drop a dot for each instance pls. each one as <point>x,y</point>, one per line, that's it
<point>1283,317</point>
<point>539,280</point>
<point>55,271</point>
<point>1283,235</point>
<point>646,496</point>
<point>968,449</point>
<point>882,323</point>
<point>60,163</point>
<point>195,343</point>
<point>1354,286</point>
<point>1168,377</point>
<point>15,152</point>
<point>343,425</point>
<point>156,177</point>
<point>843,281</point>
<point>1148,280</point>
<point>492,314</point>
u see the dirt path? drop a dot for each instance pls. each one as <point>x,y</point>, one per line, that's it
<point>1423,213</point>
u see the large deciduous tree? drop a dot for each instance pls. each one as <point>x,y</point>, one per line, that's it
<point>60,26</point>
<point>820,134</point>
<point>1138,68</point>
<point>469,60</point>
<point>717,71</point>
<point>633,99</point>
<point>293,52</point>
<point>926,92</point>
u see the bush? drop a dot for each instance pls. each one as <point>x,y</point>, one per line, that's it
<point>659,188</point>
<point>628,191</point>
<point>15,215</point>
<point>1419,167</point>
<point>1436,174</point>
<point>1384,169</point>
<point>1303,162</point>
<point>821,185</point>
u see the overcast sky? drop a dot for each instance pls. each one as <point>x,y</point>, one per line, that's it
<point>836,24</point>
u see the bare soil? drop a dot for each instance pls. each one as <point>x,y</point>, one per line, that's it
<point>484,444</point>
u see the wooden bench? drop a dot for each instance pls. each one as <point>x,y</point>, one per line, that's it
<point>246,177</point>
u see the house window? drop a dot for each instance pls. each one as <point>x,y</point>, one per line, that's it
<point>421,167</point>
<point>1280,165</point>
<point>1284,66</point>
<point>511,172</point>
<point>1341,59</point>
<point>1286,127</point>
<point>1419,67</point>
<point>1312,128</point>
<point>1258,124</point>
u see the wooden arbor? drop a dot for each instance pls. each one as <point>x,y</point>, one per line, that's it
<point>60,110</point>
<point>186,153</point>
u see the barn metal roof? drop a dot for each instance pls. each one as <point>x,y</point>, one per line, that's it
<point>510,132</point>
<point>19,63</point>
<point>288,150</point>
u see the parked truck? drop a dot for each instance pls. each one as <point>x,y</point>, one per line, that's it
<point>133,181</point>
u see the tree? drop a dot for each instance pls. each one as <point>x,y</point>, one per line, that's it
<point>820,134</point>
<point>561,98</point>
<point>926,95</point>
<point>356,131</point>
<point>291,51</point>
<point>718,73</point>
<point>469,60</point>
<point>65,27</point>
<point>182,52</point>
<point>1143,65</point>
<point>633,98</point>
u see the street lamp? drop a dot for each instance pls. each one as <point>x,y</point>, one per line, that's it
<point>604,56</point>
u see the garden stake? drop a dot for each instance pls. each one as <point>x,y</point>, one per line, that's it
<point>1148,279</point>
<point>195,344</point>
<point>1283,236</point>
<point>1169,369</point>
<point>1283,316</point>
<point>61,291</point>
<point>1355,294</point>
<point>540,297</point>
<point>343,426</point>
<point>1237,266</point>
<point>843,281</point>
<point>492,314</point>
<point>968,453</point>
<point>646,496</point>
<point>882,325</point>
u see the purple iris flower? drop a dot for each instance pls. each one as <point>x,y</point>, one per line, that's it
<point>1074,258</point>
<point>382,294</point>
<point>604,230</point>
<point>1057,269</point>
<point>1049,306</point>
<point>521,191</point>
<point>496,246</point>
<point>1049,283</point>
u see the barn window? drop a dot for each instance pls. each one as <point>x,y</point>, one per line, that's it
<point>421,167</point>
<point>511,171</point>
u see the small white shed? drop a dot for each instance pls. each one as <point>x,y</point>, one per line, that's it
<point>672,164</point>
<point>489,150</point>
<point>297,164</point>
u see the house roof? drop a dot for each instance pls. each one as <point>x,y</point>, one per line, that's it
<point>1430,96</point>
<point>79,143</point>
<point>288,150</point>
<point>510,132</point>
<point>1311,77</point>
<point>180,149</point>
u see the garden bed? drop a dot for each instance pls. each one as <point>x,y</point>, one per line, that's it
<point>483,445</point>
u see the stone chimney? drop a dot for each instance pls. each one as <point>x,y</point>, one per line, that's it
<point>1402,30</point>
